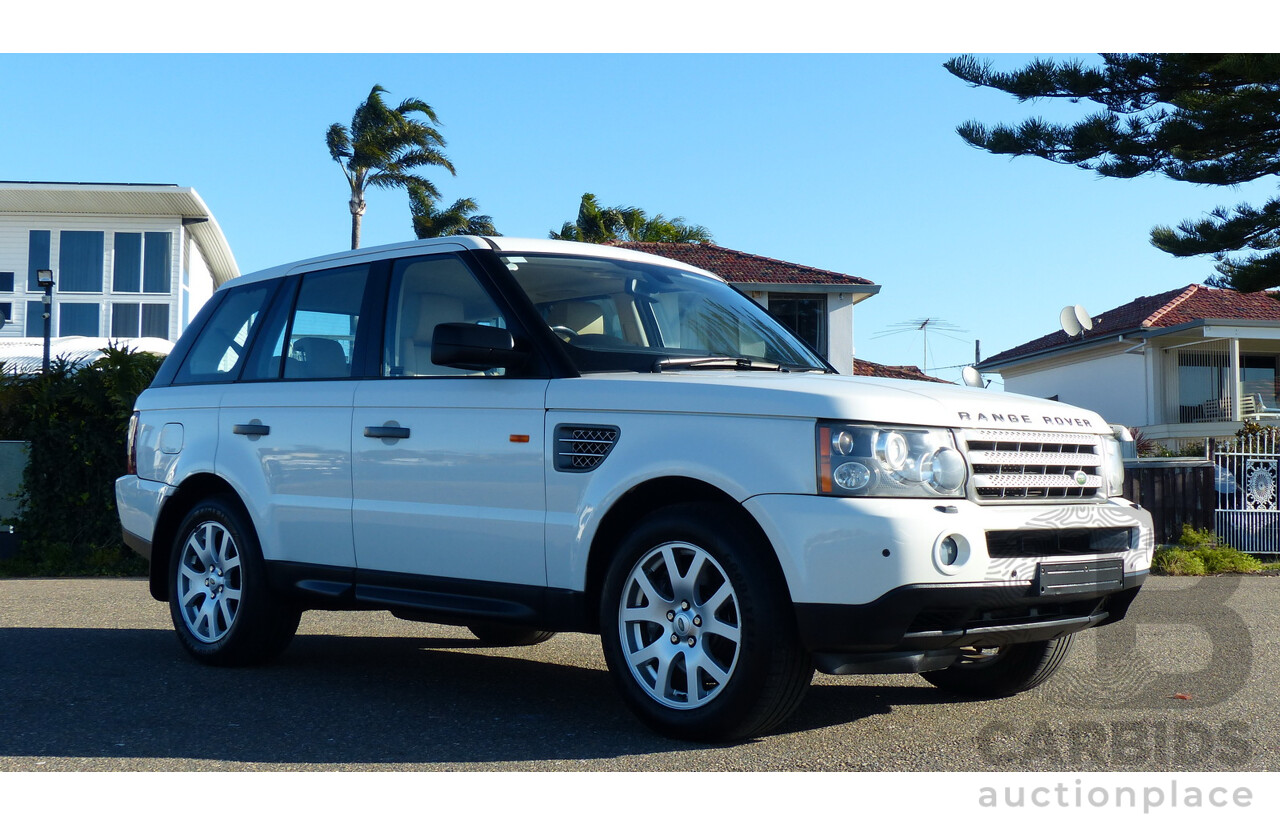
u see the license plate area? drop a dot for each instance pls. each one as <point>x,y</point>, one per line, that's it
<point>1066,578</point>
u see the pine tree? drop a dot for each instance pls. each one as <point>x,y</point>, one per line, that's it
<point>1201,118</point>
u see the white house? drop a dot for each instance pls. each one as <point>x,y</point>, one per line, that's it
<point>1188,364</point>
<point>816,304</point>
<point>129,261</point>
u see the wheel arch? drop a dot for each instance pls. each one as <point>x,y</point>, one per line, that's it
<point>643,499</point>
<point>193,489</point>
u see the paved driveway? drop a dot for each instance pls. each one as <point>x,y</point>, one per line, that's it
<point>93,679</point>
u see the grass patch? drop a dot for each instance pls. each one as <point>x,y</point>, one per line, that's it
<point>1198,553</point>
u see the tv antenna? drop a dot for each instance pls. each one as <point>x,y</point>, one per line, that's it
<point>923,326</point>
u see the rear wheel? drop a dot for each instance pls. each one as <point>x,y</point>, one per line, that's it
<point>698,630</point>
<point>506,635</point>
<point>219,600</point>
<point>993,672</point>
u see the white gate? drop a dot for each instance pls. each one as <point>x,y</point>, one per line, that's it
<point>1245,476</point>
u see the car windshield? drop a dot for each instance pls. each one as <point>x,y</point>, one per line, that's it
<point>626,315</point>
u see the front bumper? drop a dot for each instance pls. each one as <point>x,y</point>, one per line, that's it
<point>866,577</point>
<point>942,616</point>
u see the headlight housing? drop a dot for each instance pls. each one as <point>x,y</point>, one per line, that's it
<point>888,460</point>
<point>1112,466</point>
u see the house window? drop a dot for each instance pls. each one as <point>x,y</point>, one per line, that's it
<point>1258,377</point>
<point>124,320</point>
<point>1203,391</point>
<point>79,262</point>
<point>803,314</point>
<point>35,319</point>
<point>134,320</point>
<point>37,257</point>
<point>78,319</point>
<point>6,282</point>
<point>142,262</point>
<point>6,312</point>
<point>127,271</point>
<point>155,321</point>
<point>155,263</point>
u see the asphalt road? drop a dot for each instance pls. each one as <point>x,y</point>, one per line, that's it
<point>93,679</point>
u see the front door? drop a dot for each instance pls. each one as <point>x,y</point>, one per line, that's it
<point>447,465</point>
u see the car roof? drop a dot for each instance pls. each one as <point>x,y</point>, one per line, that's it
<point>460,243</point>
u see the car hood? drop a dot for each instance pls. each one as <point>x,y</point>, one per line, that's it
<point>814,395</point>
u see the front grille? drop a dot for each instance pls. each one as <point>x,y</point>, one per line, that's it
<point>580,448</point>
<point>1009,465</point>
<point>1016,544</point>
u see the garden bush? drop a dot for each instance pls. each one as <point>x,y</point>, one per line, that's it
<point>74,419</point>
<point>1199,553</point>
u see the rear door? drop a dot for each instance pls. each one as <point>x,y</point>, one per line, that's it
<point>285,427</point>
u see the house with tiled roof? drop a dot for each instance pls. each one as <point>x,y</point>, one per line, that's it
<point>1190,363</point>
<point>815,303</point>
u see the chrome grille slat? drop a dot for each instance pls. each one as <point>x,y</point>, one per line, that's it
<point>1013,465</point>
<point>1041,459</point>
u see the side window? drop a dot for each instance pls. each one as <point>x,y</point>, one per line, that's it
<point>320,328</point>
<point>427,292</point>
<point>216,355</point>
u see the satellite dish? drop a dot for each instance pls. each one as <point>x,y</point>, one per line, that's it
<point>1070,324</point>
<point>1082,318</point>
<point>971,377</point>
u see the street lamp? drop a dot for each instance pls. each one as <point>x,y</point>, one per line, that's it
<point>44,277</point>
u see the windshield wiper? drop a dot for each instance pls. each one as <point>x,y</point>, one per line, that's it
<point>715,363</point>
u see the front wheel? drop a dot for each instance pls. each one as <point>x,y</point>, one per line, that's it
<point>994,672</point>
<point>697,628</point>
<point>221,606</point>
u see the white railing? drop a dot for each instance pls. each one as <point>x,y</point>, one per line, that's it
<point>1246,472</point>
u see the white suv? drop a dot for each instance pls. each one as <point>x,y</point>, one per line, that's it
<point>525,436</point>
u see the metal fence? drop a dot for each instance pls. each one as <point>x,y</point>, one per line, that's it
<point>1245,479</point>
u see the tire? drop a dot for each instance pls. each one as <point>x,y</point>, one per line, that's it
<point>736,667</point>
<point>219,599</point>
<point>1002,671</point>
<point>506,635</point>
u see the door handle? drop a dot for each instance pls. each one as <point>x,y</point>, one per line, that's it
<point>386,432</point>
<point>256,428</point>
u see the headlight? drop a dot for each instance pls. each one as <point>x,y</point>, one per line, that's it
<point>870,460</point>
<point>1112,466</point>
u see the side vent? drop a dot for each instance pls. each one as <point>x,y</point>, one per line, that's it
<point>580,448</point>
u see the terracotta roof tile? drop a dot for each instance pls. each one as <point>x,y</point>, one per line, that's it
<point>1168,309</point>
<point>742,267</point>
<point>874,370</point>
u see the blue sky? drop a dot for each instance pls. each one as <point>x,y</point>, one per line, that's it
<point>848,162</point>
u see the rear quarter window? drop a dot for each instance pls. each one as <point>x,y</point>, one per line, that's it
<point>217,355</point>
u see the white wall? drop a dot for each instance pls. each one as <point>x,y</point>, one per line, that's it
<point>1114,386</point>
<point>840,332</point>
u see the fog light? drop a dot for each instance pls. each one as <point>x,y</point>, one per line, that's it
<point>949,552</point>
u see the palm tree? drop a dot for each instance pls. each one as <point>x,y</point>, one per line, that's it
<point>382,148</point>
<point>596,224</point>
<point>428,222</point>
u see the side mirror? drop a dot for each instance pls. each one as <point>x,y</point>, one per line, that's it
<point>474,347</point>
